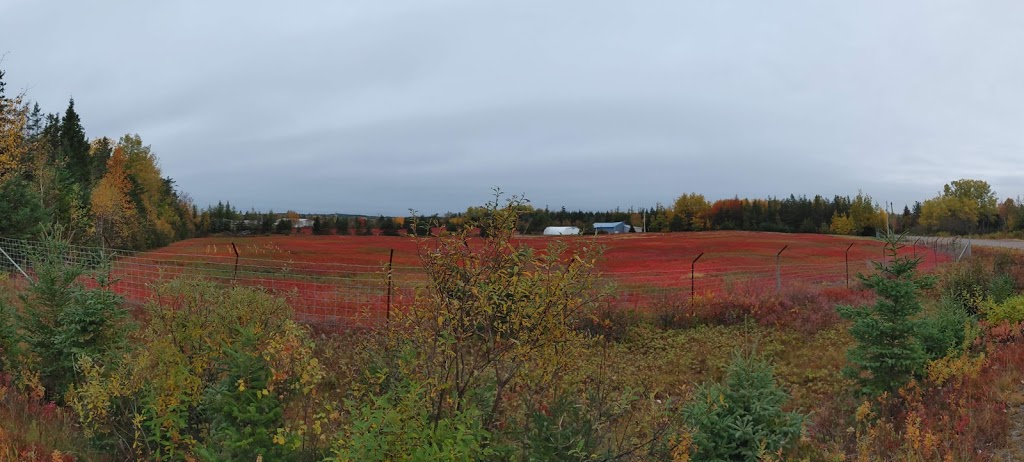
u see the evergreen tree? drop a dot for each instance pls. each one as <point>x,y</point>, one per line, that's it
<point>267,224</point>
<point>34,127</point>
<point>341,226</point>
<point>677,224</point>
<point>284,226</point>
<point>100,151</point>
<point>50,140</point>
<point>742,418</point>
<point>21,208</point>
<point>317,226</point>
<point>387,226</point>
<point>74,148</point>
<point>888,351</point>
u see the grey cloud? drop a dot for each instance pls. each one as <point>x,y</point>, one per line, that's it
<point>376,107</point>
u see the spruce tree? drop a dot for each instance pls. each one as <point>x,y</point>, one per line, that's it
<point>267,224</point>
<point>889,351</point>
<point>34,125</point>
<point>341,226</point>
<point>100,152</point>
<point>74,148</point>
<point>317,226</point>
<point>388,227</point>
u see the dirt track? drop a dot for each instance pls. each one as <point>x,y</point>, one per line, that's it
<point>996,243</point>
<point>1002,243</point>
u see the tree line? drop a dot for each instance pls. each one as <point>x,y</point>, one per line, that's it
<point>963,206</point>
<point>101,191</point>
<point>112,193</point>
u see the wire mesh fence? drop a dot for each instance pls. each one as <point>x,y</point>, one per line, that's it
<point>342,294</point>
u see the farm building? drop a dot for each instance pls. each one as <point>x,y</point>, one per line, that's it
<point>298,223</point>
<point>612,228</point>
<point>561,230</point>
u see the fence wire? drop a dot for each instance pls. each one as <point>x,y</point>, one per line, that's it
<point>351,295</point>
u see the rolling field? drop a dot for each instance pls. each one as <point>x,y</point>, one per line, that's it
<point>624,253</point>
<point>341,279</point>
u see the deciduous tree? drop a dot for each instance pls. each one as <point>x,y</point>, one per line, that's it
<point>13,120</point>
<point>692,208</point>
<point>964,206</point>
<point>114,214</point>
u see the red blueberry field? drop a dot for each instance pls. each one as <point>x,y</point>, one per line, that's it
<point>335,278</point>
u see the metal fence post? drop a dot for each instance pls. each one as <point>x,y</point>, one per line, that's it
<point>848,265</point>
<point>15,264</point>
<point>391,260</point>
<point>778,270</point>
<point>693,265</point>
<point>234,274</point>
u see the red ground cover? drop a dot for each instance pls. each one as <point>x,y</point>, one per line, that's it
<point>331,278</point>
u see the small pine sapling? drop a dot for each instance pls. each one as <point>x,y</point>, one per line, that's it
<point>889,351</point>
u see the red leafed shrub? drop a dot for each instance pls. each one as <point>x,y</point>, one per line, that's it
<point>35,430</point>
<point>804,308</point>
<point>959,411</point>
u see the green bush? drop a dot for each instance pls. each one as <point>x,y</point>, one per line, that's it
<point>1010,310</point>
<point>9,347</point>
<point>179,395</point>
<point>945,331</point>
<point>742,418</point>
<point>1001,287</point>
<point>498,315</point>
<point>398,426</point>
<point>967,282</point>
<point>565,432</point>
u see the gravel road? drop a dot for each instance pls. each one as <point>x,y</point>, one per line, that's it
<point>999,243</point>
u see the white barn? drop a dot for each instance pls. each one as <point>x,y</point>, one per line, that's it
<point>561,231</point>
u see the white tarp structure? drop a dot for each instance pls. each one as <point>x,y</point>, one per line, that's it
<point>561,231</point>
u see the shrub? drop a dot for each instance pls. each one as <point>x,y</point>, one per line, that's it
<point>611,323</point>
<point>180,393</point>
<point>495,313</point>
<point>564,431</point>
<point>243,414</point>
<point>398,426</point>
<point>967,282</point>
<point>742,418</point>
<point>888,350</point>
<point>1001,287</point>
<point>1010,311</point>
<point>945,331</point>
<point>10,349</point>
<point>62,319</point>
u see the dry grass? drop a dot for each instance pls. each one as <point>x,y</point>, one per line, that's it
<point>34,430</point>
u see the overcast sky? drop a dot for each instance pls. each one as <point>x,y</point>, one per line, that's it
<point>380,106</point>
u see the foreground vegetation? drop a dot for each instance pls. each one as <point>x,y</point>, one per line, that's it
<point>511,355</point>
